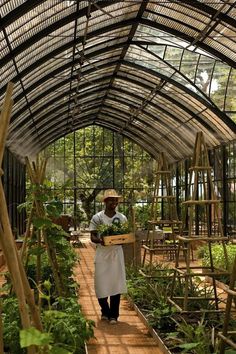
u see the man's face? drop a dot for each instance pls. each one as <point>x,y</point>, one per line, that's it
<point>111,203</point>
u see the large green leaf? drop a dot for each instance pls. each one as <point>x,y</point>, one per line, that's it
<point>32,336</point>
<point>188,346</point>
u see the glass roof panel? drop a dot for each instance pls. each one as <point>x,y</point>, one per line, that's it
<point>36,20</point>
<point>218,84</point>
<point>142,57</point>
<point>98,73</point>
<point>44,46</point>
<point>4,47</point>
<point>231,93</point>
<point>114,13</point>
<point>181,12</point>
<point>45,69</point>
<point>9,5</point>
<point>130,87</point>
<point>195,23</point>
<point>86,89</point>
<point>113,36</point>
<point>7,73</point>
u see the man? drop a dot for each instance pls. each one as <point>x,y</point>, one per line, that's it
<point>110,278</point>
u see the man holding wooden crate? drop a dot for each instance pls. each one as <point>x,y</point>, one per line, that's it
<point>110,278</point>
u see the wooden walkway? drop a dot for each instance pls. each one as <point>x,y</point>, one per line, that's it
<point>129,335</point>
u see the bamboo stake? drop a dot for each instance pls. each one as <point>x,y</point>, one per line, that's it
<point>37,175</point>
<point>38,270</point>
<point>30,296</point>
<point>6,237</point>
<point>7,241</point>
<point>27,233</point>
<point>5,118</point>
<point>15,266</point>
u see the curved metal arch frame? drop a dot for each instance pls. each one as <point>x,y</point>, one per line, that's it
<point>7,20</point>
<point>45,126</point>
<point>218,112</point>
<point>28,5</point>
<point>94,121</point>
<point>224,118</point>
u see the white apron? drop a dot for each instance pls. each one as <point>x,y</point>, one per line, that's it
<point>110,276</point>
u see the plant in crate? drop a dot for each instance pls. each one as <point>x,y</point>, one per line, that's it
<point>115,233</point>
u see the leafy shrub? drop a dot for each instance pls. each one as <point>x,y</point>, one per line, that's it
<point>194,339</point>
<point>68,325</point>
<point>66,258</point>
<point>64,322</point>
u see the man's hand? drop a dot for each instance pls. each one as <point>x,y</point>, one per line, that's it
<point>94,238</point>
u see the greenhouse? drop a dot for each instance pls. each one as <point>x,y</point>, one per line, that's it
<point>118,176</point>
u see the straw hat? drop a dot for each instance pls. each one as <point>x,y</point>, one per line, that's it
<point>110,193</point>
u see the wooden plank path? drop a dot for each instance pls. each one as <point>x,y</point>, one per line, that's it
<point>129,335</point>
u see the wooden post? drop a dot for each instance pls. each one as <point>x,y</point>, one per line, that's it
<point>5,119</point>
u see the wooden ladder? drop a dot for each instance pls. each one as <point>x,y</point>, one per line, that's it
<point>169,224</point>
<point>199,172</point>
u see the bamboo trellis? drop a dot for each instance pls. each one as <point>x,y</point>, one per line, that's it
<point>199,172</point>
<point>28,310</point>
<point>36,171</point>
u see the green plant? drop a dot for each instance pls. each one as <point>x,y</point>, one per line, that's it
<point>161,317</point>
<point>65,327</point>
<point>11,325</point>
<point>116,228</point>
<point>67,324</point>
<point>218,256</point>
<point>142,215</point>
<point>192,339</point>
<point>66,258</point>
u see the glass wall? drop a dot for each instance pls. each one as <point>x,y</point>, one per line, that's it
<point>14,187</point>
<point>86,162</point>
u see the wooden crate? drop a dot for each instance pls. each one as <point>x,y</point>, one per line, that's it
<point>118,239</point>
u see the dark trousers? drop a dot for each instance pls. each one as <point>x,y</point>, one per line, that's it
<point>112,310</point>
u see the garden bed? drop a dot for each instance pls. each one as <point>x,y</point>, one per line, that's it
<point>153,333</point>
<point>175,331</point>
